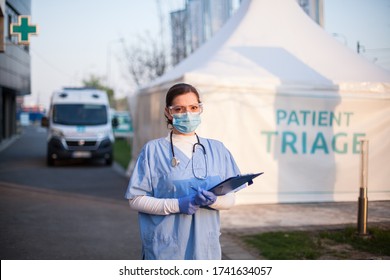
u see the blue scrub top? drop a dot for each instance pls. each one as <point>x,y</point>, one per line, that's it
<point>180,236</point>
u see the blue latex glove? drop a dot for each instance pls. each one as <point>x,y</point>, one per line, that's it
<point>187,205</point>
<point>204,198</point>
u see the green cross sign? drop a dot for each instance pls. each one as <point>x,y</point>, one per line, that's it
<point>23,29</point>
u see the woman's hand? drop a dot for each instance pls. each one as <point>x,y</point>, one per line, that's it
<point>204,198</point>
<point>187,205</point>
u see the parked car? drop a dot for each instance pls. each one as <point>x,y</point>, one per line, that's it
<point>123,124</point>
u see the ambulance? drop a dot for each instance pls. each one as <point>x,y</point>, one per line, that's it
<point>79,126</point>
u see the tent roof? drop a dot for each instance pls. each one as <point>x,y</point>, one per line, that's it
<point>274,44</point>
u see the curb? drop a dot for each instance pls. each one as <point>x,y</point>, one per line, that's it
<point>7,142</point>
<point>233,249</point>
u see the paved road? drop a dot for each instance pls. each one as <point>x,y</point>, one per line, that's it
<point>71,211</point>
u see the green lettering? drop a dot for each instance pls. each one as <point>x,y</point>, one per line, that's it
<point>304,113</point>
<point>313,118</point>
<point>333,118</point>
<point>269,134</point>
<point>322,118</point>
<point>293,118</point>
<point>356,142</point>
<point>348,115</point>
<point>288,140</point>
<point>280,115</point>
<point>319,144</point>
<point>304,142</point>
<point>334,143</point>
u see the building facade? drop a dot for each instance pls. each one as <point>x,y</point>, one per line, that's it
<point>314,9</point>
<point>197,23</point>
<point>15,70</point>
<point>179,44</point>
<point>200,19</point>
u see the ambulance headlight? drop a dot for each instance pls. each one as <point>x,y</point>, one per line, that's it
<point>102,134</point>
<point>57,133</point>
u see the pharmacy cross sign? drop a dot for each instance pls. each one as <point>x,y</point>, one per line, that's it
<point>23,29</point>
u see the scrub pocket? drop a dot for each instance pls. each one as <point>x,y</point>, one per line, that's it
<point>160,247</point>
<point>214,247</point>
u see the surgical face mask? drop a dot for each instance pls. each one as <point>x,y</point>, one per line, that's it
<point>186,122</point>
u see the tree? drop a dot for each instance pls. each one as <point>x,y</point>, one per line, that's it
<point>145,60</point>
<point>96,82</point>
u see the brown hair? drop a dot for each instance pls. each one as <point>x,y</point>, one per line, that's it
<point>178,89</point>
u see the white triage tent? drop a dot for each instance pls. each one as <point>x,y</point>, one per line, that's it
<point>287,99</point>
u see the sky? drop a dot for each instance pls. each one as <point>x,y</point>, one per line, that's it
<point>78,39</point>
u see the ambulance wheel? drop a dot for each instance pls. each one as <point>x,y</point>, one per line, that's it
<point>109,160</point>
<point>50,161</point>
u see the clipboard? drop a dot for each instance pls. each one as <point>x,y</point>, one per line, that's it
<point>234,184</point>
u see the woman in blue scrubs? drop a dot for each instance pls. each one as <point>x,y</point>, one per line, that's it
<point>178,217</point>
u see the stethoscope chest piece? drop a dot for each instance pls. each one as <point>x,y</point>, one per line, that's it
<point>175,162</point>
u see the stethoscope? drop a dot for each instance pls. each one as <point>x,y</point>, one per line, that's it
<point>175,161</point>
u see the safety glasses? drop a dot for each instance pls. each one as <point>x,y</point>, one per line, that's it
<point>194,108</point>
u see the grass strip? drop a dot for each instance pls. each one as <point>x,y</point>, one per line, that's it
<point>122,152</point>
<point>310,245</point>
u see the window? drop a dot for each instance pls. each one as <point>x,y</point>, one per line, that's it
<point>80,114</point>
<point>11,17</point>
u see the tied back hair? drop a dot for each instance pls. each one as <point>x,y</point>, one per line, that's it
<point>176,90</point>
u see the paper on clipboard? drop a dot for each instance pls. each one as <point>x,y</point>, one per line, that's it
<point>234,184</point>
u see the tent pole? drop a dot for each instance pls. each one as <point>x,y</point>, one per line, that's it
<point>363,200</point>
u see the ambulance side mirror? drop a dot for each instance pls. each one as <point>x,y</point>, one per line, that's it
<point>115,122</point>
<point>45,122</point>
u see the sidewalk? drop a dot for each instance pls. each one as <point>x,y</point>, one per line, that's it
<point>7,142</point>
<point>251,219</point>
